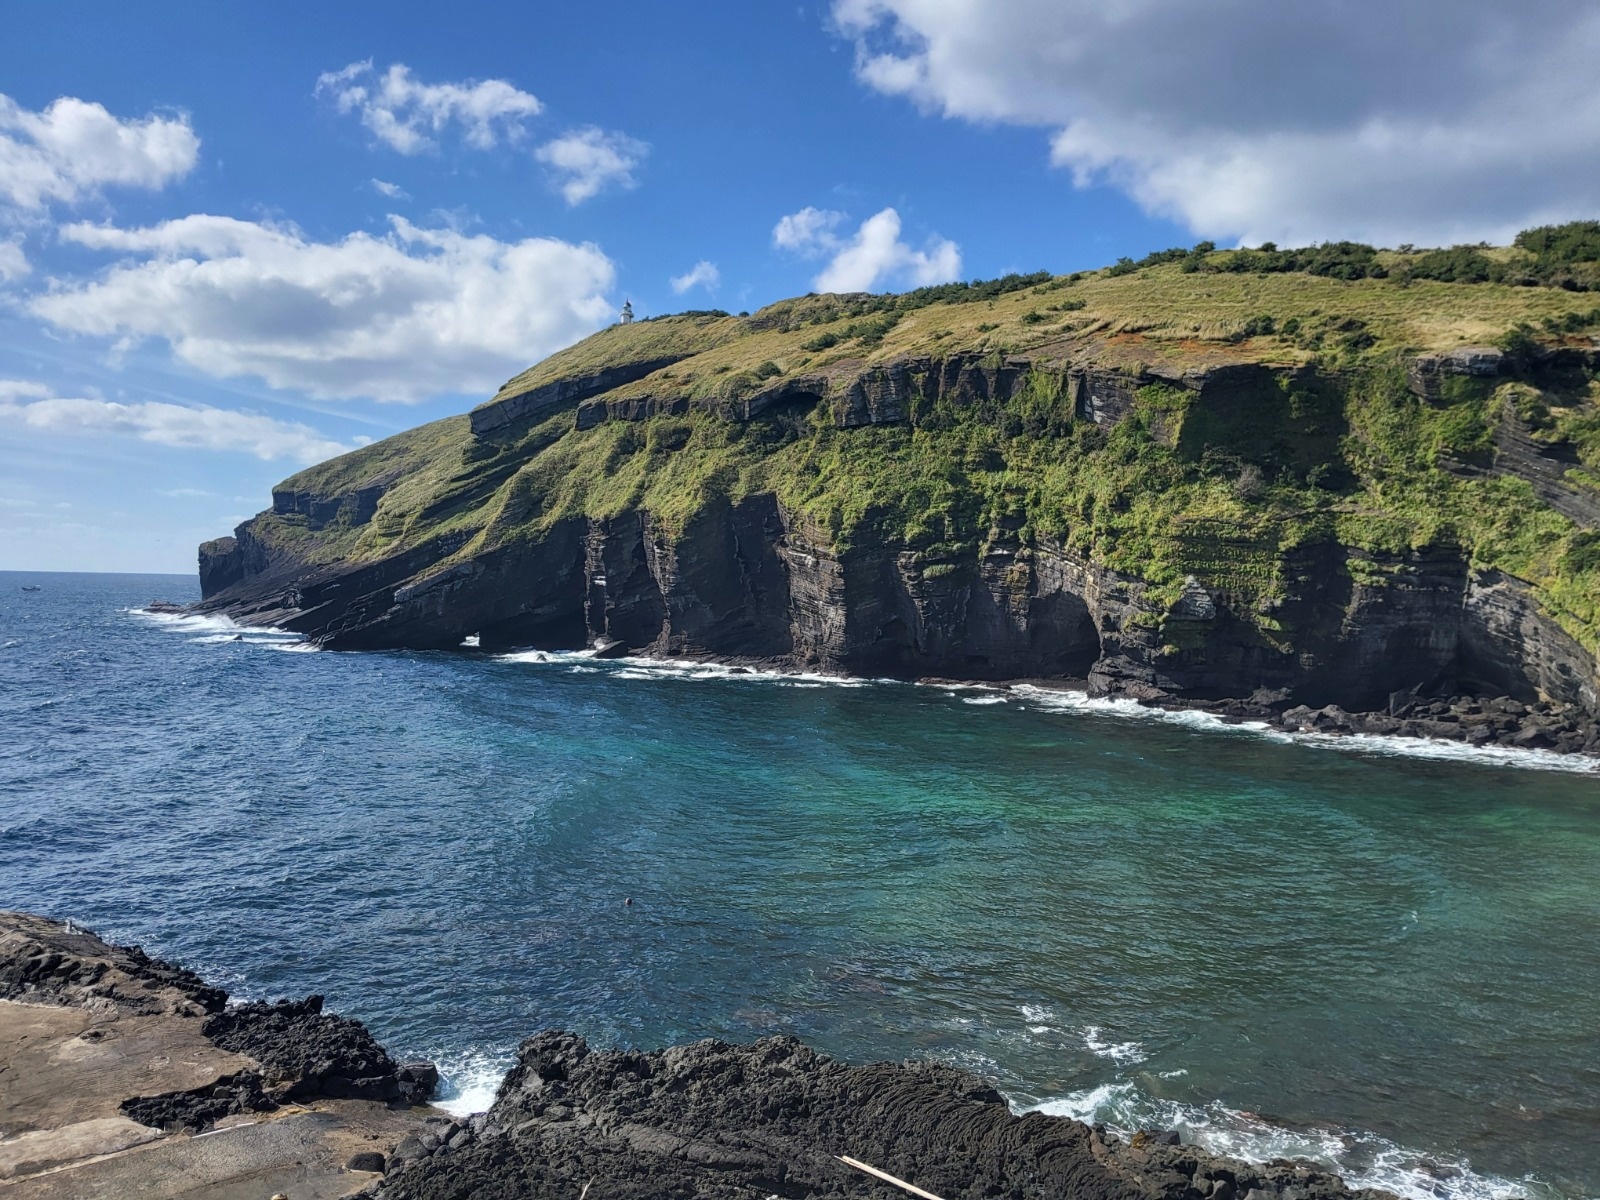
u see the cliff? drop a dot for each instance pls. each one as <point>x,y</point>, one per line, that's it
<point>1330,474</point>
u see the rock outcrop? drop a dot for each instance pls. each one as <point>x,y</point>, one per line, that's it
<point>53,962</point>
<point>704,1120</point>
<point>289,1050</point>
<point>108,1057</point>
<point>561,393</point>
<point>711,1120</point>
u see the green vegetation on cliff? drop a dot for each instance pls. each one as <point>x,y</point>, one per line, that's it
<point>1335,443</point>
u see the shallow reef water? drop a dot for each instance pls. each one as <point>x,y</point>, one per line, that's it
<point>1385,956</point>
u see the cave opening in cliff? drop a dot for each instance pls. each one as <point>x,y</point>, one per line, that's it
<point>1063,635</point>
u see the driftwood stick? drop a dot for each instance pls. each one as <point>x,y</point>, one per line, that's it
<point>886,1177</point>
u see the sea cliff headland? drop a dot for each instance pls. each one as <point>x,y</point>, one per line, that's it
<point>1262,482</point>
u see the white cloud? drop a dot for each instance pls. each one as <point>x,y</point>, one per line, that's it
<point>809,231</point>
<point>403,112</point>
<point>1431,121</point>
<point>13,262</point>
<point>197,428</point>
<point>74,147</point>
<point>702,274</point>
<point>587,160</point>
<point>392,190</point>
<point>415,313</point>
<point>874,255</point>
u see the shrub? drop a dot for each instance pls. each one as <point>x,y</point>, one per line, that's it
<point>1250,483</point>
<point>1334,260</point>
<point>1127,266</point>
<point>1520,347</point>
<point>1583,553</point>
<point>1574,242</point>
<point>1459,264</point>
<point>872,332</point>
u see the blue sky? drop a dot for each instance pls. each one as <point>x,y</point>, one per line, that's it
<point>235,239</point>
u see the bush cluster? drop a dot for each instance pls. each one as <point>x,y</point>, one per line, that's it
<point>1562,245</point>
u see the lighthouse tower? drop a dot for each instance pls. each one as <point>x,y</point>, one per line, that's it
<point>626,315</point>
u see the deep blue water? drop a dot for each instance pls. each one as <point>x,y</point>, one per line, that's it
<point>1377,958</point>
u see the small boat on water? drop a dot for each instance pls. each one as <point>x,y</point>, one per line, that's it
<point>30,587</point>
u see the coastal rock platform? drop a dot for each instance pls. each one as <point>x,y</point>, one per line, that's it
<point>121,1075</point>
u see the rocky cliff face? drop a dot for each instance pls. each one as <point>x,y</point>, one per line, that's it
<point>755,581</point>
<point>749,573</point>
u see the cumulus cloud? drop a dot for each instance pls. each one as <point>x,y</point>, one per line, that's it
<point>392,190</point>
<point>403,113</point>
<point>13,262</point>
<point>1429,121</point>
<point>415,313</point>
<point>702,274</point>
<point>809,231</point>
<point>873,256</point>
<point>587,160</point>
<point>197,428</point>
<point>74,147</point>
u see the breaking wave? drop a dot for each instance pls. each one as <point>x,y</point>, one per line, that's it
<point>1053,700</point>
<point>639,667</point>
<point>216,630</point>
<point>468,1079</point>
<point>1363,1159</point>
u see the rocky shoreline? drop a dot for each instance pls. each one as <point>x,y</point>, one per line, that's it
<point>775,1118</point>
<point>1476,720</point>
<point>297,1090</point>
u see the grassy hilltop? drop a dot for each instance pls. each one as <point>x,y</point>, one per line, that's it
<point>1341,448</point>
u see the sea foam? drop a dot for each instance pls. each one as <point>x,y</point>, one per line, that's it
<point>1361,1158</point>
<point>212,629</point>
<point>469,1079</point>
<point>1053,700</point>
<point>639,667</point>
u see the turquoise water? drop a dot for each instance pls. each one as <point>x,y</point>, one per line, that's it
<point>1388,961</point>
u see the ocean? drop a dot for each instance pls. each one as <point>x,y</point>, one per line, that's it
<point>1381,954</point>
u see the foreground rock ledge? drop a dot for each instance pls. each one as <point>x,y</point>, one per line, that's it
<point>109,1058</point>
<point>711,1120</point>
